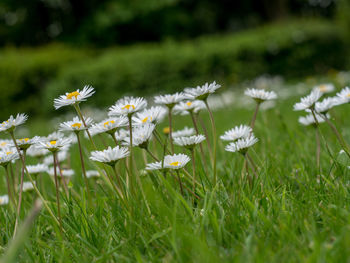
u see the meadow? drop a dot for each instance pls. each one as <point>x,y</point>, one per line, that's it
<point>291,210</point>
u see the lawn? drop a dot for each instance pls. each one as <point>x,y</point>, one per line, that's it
<point>289,213</point>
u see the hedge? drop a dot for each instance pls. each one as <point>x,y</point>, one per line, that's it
<point>293,49</point>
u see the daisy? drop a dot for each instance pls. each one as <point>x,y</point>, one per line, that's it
<point>109,125</point>
<point>25,143</point>
<point>201,92</point>
<point>325,105</point>
<point>309,101</point>
<point>242,144</point>
<point>236,133</point>
<point>36,151</point>
<point>12,123</point>
<point>154,166</point>
<point>7,157</point>
<point>189,142</point>
<point>153,115</point>
<point>74,97</point>
<point>37,168</point>
<point>344,95</point>
<point>92,173</point>
<point>188,107</point>
<point>76,125</point>
<point>184,132</point>
<point>55,145</point>
<point>5,143</point>
<point>4,200</point>
<point>64,172</point>
<point>176,161</point>
<point>141,135</point>
<point>127,106</point>
<point>169,100</point>
<point>325,88</point>
<point>28,186</point>
<point>110,156</point>
<point>309,119</point>
<point>121,134</point>
<point>61,156</point>
<point>260,95</point>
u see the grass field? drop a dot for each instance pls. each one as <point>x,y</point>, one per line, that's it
<point>291,213</point>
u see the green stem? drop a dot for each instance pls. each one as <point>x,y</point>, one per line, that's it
<point>77,108</point>
<point>20,195</point>
<point>114,138</point>
<point>10,194</point>
<point>151,154</point>
<point>131,176</point>
<point>252,123</point>
<point>194,174</point>
<point>170,129</point>
<point>57,190</point>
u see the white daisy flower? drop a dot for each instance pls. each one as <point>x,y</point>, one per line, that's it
<point>127,106</point>
<point>76,125</point>
<point>260,95</point>
<point>27,186</point>
<point>176,161</point>
<point>7,157</point>
<point>309,119</point>
<point>325,88</point>
<point>325,105</point>
<point>189,142</point>
<point>92,173</point>
<point>184,132</point>
<point>56,145</point>
<point>5,143</point>
<point>184,108</point>
<point>238,132</point>
<point>25,143</point>
<point>12,123</point>
<point>4,200</point>
<point>154,166</point>
<point>140,135</point>
<point>153,115</point>
<point>201,92</point>
<point>344,95</point>
<point>109,125</point>
<point>65,172</point>
<point>74,97</point>
<point>241,145</point>
<point>169,100</point>
<point>110,156</point>
<point>61,156</point>
<point>35,151</point>
<point>37,168</point>
<point>53,136</point>
<point>121,134</point>
<point>309,101</point>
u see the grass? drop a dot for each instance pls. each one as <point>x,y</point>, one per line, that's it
<point>290,214</point>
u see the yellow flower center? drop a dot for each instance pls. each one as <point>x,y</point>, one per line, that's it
<point>8,153</point>
<point>145,120</point>
<point>323,88</point>
<point>73,94</point>
<point>108,122</point>
<point>24,140</point>
<point>189,103</point>
<point>3,144</point>
<point>128,107</point>
<point>76,125</point>
<point>348,95</point>
<point>175,163</point>
<point>166,130</point>
<point>53,142</point>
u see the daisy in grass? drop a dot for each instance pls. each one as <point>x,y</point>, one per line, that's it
<point>242,145</point>
<point>309,101</point>
<point>201,92</point>
<point>344,95</point>
<point>188,107</point>
<point>12,123</point>
<point>260,95</point>
<point>74,98</point>
<point>60,143</point>
<point>92,173</point>
<point>28,186</point>
<point>127,106</point>
<point>64,172</point>
<point>176,161</point>
<point>153,115</point>
<point>75,125</point>
<point>325,88</point>
<point>7,157</point>
<point>61,156</point>
<point>141,136</point>
<point>25,143</point>
<point>37,168</point>
<point>154,166</point>
<point>326,104</point>
<point>238,132</point>
<point>110,156</point>
<point>169,100</point>
<point>310,120</point>
<point>4,200</point>
<point>109,125</point>
<point>37,152</point>
<point>5,143</point>
<point>184,132</point>
<point>189,142</point>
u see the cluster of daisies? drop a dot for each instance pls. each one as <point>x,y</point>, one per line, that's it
<point>130,123</point>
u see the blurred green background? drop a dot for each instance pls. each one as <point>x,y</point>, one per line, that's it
<point>141,47</point>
